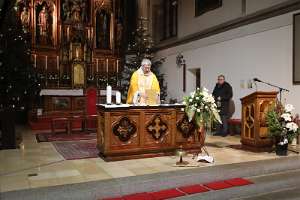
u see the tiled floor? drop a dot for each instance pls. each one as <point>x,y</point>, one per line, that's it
<point>40,165</point>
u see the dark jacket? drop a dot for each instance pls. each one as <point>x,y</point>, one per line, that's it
<point>225,92</point>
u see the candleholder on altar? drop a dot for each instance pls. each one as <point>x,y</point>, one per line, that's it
<point>181,153</point>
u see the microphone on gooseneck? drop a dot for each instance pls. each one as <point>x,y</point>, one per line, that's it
<point>257,80</point>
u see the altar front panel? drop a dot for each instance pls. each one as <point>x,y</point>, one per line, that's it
<point>125,133</point>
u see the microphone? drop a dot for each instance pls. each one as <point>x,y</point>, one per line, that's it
<point>257,80</point>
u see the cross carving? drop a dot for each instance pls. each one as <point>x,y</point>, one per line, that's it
<point>157,128</point>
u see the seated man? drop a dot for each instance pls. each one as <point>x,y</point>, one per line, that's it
<point>143,85</point>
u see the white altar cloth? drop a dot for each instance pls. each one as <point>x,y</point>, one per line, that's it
<point>61,92</point>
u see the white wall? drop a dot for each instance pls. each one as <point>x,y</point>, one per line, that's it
<point>256,5</point>
<point>188,23</point>
<point>262,50</point>
<point>231,9</point>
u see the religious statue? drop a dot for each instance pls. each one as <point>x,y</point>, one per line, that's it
<point>43,25</point>
<point>144,86</point>
<point>76,12</point>
<point>66,10</point>
<point>25,19</point>
<point>84,9</point>
<point>103,30</point>
<point>43,21</point>
<point>119,34</point>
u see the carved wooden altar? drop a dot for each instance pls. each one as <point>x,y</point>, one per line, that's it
<point>254,128</point>
<point>144,131</point>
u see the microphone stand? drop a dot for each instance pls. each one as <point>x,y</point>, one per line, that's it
<point>281,89</point>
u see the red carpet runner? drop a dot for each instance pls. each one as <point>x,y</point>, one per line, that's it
<point>186,190</point>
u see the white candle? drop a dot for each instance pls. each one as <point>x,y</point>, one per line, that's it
<point>57,62</point>
<point>46,63</point>
<point>118,97</point>
<point>108,94</point>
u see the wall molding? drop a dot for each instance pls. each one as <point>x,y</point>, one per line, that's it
<point>273,11</point>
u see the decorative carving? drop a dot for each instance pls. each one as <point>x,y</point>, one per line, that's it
<point>75,11</point>
<point>185,127</point>
<point>124,129</point>
<point>157,127</point>
<point>249,121</point>
<point>45,22</point>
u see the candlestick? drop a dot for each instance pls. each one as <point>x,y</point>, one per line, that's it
<point>46,63</point>
<point>71,51</point>
<point>35,60</point>
<point>107,70</point>
<point>57,62</point>
<point>107,66</point>
<point>97,65</point>
<point>117,65</point>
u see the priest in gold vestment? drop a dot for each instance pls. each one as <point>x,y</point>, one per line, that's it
<point>143,85</point>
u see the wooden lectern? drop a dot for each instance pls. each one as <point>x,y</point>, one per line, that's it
<point>254,134</point>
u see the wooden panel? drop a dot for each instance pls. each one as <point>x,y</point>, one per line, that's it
<point>124,131</point>
<point>254,128</point>
<point>79,103</point>
<point>158,129</point>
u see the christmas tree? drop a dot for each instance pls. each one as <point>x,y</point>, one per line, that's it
<point>141,47</point>
<point>19,83</point>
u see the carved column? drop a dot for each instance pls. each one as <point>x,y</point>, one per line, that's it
<point>143,12</point>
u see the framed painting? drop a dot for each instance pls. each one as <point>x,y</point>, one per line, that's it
<point>296,49</point>
<point>203,6</point>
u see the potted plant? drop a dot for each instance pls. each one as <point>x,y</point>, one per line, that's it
<point>282,127</point>
<point>200,107</point>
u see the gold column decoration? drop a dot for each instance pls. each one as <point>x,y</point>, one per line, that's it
<point>143,12</point>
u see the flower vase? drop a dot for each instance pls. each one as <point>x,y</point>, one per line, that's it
<point>281,150</point>
<point>294,142</point>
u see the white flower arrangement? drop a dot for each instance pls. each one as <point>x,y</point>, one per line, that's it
<point>200,106</point>
<point>289,108</point>
<point>281,123</point>
<point>292,126</point>
<point>287,117</point>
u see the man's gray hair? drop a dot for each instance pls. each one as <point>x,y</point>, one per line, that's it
<point>146,61</point>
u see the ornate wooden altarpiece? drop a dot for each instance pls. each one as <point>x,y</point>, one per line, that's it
<point>75,43</point>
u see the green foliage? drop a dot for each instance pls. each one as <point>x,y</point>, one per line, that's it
<point>278,126</point>
<point>274,125</point>
<point>19,83</point>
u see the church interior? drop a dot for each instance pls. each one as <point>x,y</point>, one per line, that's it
<point>148,99</point>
